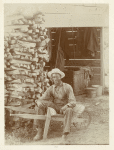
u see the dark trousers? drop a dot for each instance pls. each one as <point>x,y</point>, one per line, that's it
<point>42,111</point>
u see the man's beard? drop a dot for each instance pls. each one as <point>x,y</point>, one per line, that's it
<point>56,82</point>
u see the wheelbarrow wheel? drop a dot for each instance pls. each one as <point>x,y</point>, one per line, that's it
<point>82,121</point>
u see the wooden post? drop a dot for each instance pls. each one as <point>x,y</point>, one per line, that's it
<point>102,58</point>
<point>47,123</point>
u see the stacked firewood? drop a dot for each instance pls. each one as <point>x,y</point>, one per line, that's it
<point>25,55</point>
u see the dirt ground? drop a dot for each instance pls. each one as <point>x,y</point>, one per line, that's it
<point>96,134</point>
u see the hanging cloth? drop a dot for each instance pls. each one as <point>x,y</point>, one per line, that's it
<point>60,62</point>
<point>90,41</point>
<point>54,51</point>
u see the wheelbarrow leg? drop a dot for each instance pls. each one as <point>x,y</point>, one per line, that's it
<point>47,123</point>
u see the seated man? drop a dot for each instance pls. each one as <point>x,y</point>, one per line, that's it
<point>60,97</point>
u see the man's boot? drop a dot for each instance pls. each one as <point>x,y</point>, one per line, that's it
<point>64,139</point>
<point>39,134</point>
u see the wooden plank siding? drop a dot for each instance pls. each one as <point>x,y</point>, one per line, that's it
<point>91,63</point>
<point>74,20</point>
<point>71,34</point>
<point>77,54</point>
<point>77,61</point>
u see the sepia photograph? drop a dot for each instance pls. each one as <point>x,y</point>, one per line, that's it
<point>56,73</point>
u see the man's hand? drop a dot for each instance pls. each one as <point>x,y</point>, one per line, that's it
<point>63,109</point>
<point>39,103</point>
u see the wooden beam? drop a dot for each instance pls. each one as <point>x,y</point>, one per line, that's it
<point>91,63</point>
<point>29,116</point>
<point>102,58</point>
<point>78,63</point>
<point>73,20</point>
<point>96,70</point>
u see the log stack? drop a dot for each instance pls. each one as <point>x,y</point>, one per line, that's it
<point>25,55</point>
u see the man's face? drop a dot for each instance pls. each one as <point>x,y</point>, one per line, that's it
<point>56,78</point>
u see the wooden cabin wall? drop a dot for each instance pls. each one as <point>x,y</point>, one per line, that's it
<point>68,15</point>
<point>76,60</point>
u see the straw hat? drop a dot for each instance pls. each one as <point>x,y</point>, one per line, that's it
<point>56,70</point>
